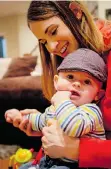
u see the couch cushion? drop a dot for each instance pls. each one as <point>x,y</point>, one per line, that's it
<point>21,67</point>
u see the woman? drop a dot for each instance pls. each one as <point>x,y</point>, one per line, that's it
<point>62,27</point>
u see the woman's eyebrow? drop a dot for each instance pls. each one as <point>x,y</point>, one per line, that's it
<point>48,28</point>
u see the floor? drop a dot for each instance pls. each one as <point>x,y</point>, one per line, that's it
<point>4,164</point>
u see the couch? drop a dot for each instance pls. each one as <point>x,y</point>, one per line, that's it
<point>20,90</point>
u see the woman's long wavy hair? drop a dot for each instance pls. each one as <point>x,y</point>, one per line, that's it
<point>84,30</point>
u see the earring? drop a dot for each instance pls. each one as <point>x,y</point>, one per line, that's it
<point>51,54</point>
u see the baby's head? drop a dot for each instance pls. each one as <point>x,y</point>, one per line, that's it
<point>82,72</point>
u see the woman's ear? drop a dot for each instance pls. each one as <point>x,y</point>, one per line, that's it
<point>56,77</point>
<point>75,8</point>
<point>100,94</point>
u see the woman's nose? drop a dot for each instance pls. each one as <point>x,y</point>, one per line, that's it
<point>77,84</point>
<point>52,46</point>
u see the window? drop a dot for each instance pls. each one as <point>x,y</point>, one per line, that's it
<point>2,47</point>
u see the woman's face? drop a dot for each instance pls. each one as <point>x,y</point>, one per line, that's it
<point>55,35</point>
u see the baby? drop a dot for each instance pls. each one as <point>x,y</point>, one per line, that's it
<point>79,88</point>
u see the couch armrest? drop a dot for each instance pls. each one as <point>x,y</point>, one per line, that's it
<point>20,83</point>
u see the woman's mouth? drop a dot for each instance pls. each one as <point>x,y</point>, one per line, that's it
<point>63,51</point>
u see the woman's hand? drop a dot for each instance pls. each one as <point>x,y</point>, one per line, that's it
<point>56,144</point>
<point>26,126</point>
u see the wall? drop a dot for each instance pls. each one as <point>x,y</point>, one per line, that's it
<point>9,29</point>
<point>27,41</point>
<point>19,38</point>
<point>102,6</point>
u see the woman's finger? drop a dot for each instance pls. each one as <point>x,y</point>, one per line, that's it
<point>16,122</point>
<point>51,122</point>
<point>44,140</point>
<point>23,124</point>
<point>26,127</point>
<point>30,132</point>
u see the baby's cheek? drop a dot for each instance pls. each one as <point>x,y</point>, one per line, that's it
<point>92,96</point>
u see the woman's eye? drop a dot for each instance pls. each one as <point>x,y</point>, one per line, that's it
<point>54,31</point>
<point>87,81</point>
<point>71,77</point>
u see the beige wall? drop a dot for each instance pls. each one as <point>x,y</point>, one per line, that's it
<point>9,29</point>
<point>27,41</point>
<point>19,39</point>
<point>102,6</point>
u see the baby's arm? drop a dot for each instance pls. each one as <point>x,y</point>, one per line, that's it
<point>16,117</point>
<point>37,119</point>
<point>78,121</point>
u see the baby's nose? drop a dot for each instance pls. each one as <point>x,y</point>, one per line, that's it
<point>77,84</point>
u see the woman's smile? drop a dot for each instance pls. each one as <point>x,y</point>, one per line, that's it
<point>64,50</point>
<point>55,35</point>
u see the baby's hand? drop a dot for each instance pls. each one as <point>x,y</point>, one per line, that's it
<point>60,96</point>
<point>28,111</point>
<point>12,116</point>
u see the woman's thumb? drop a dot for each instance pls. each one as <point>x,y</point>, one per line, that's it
<point>51,122</point>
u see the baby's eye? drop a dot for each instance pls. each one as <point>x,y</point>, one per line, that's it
<point>87,81</point>
<point>71,77</point>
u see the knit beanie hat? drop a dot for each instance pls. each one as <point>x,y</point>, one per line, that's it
<point>85,60</point>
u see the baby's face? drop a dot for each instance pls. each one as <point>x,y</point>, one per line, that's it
<point>84,88</point>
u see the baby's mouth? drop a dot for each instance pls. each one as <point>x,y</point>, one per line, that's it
<point>75,93</point>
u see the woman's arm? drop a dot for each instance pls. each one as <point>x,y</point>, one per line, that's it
<point>95,153</point>
<point>105,28</point>
<point>106,102</point>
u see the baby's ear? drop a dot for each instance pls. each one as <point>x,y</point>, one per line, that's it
<point>56,77</point>
<point>100,94</point>
<point>75,8</point>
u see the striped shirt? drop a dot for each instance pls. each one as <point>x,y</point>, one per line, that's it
<point>83,121</point>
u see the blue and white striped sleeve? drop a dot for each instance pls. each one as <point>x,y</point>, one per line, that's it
<point>39,120</point>
<point>78,121</point>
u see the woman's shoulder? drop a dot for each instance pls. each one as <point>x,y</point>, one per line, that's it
<point>105,28</point>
